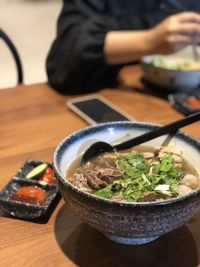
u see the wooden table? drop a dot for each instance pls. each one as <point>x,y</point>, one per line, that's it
<point>33,120</point>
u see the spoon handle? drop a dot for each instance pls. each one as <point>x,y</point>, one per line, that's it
<point>195,52</point>
<point>169,128</point>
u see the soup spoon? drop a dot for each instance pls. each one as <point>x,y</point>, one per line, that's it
<point>100,146</point>
<point>195,52</point>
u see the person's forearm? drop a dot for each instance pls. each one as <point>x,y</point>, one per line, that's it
<point>170,35</point>
<point>127,46</point>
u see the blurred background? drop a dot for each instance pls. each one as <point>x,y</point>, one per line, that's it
<point>31,25</point>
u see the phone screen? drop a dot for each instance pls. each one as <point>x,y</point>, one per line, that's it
<point>99,111</point>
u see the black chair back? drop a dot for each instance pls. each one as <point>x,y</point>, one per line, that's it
<point>15,55</point>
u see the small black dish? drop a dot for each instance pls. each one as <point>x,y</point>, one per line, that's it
<point>25,210</point>
<point>185,102</point>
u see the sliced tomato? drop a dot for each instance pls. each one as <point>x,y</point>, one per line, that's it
<point>48,178</point>
<point>49,170</point>
<point>194,102</point>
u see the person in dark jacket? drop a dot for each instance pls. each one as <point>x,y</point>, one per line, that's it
<point>95,38</point>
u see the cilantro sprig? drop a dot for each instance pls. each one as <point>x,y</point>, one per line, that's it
<point>141,176</point>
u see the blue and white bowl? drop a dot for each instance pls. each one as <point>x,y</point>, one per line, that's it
<point>171,79</point>
<point>122,222</point>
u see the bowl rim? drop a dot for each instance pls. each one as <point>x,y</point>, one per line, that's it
<point>143,62</point>
<point>179,134</point>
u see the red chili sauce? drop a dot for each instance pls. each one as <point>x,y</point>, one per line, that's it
<point>30,194</point>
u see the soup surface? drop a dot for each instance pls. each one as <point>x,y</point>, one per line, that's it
<point>144,174</point>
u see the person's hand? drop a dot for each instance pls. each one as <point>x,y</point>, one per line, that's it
<point>174,33</point>
<point>170,35</point>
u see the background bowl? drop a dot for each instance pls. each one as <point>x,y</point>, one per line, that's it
<point>177,80</point>
<point>127,223</point>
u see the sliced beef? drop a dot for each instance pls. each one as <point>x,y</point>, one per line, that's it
<point>94,178</point>
<point>79,180</point>
<point>148,196</point>
<point>108,174</point>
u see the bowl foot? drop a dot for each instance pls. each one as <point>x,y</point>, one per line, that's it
<point>131,240</point>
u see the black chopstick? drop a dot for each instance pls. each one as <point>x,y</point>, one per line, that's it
<point>169,128</point>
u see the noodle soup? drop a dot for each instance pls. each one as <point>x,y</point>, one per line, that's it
<point>136,175</point>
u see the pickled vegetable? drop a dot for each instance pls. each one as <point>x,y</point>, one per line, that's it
<point>37,171</point>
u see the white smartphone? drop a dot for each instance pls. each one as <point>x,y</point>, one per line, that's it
<point>96,109</point>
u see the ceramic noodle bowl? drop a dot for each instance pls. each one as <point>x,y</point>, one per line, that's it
<point>125,222</point>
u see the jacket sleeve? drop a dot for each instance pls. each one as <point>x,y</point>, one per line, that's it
<point>75,63</point>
